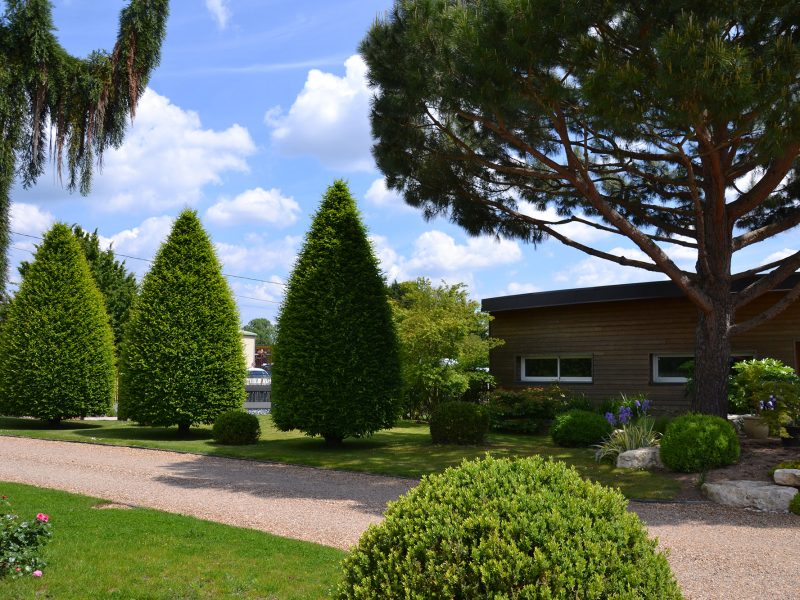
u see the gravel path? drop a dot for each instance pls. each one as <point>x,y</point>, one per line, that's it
<point>715,552</point>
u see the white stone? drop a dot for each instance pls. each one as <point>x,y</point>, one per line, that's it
<point>790,477</point>
<point>641,458</point>
<point>761,495</point>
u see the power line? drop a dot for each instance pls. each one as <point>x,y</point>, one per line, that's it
<point>149,260</point>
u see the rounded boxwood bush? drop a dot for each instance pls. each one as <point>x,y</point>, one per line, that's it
<point>236,428</point>
<point>579,428</point>
<point>459,423</point>
<point>526,528</point>
<point>695,443</point>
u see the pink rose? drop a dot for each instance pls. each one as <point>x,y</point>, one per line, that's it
<point>37,573</point>
<point>42,517</point>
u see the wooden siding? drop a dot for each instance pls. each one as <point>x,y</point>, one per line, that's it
<point>623,336</point>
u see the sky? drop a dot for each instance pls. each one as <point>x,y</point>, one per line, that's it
<point>256,108</point>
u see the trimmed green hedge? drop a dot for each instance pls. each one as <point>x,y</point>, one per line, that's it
<point>695,443</point>
<point>526,528</point>
<point>236,428</point>
<point>579,428</point>
<point>459,423</point>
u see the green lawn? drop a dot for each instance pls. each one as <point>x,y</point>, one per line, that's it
<point>140,553</point>
<point>405,450</point>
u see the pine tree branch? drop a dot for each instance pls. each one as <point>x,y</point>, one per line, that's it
<point>764,284</point>
<point>792,296</point>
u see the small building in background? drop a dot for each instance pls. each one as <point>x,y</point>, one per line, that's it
<point>263,356</point>
<point>249,347</point>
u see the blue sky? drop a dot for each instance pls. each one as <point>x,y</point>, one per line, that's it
<point>257,106</point>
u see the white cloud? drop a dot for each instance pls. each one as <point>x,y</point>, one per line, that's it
<point>258,255</point>
<point>437,250</point>
<point>167,158</point>
<point>380,195</point>
<point>30,219</point>
<point>142,242</point>
<point>522,288</point>
<point>438,257</point>
<point>256,205</point>
<point>220,11</point>
<point>779,255</point>
<point>328,120</point>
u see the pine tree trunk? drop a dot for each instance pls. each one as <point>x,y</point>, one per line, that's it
<point>712,357</point>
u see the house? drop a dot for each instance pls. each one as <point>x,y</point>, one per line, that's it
<point>631,338</point>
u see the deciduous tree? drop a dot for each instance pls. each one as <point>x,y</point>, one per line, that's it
<point>264,330</point>
<point>336,371</point>
<point>675,125</point>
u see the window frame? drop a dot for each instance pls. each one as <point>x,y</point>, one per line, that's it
<point>656,378</point>
<point>558,378</point>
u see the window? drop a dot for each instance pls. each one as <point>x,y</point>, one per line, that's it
<point>575,369</point>
<point>666,369</point>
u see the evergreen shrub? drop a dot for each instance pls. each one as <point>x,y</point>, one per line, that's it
<point>526,528</point>
<point>794,505</point>
<point>236,428</point>
<point>336,369</point>
<point>695,443</point>
<point>579,428</point>
<point>56,345</point>
<point>526,410</point>
<point>182,360</point>
<point>459,423</point>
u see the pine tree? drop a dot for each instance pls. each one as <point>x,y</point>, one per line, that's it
<point>56,348</point>
<point>84,102</point>
<point>182,360</point>
<point>336,370</point>
<point>673,126</point>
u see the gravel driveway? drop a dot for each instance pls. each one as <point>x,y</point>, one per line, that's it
<point>715,552</point>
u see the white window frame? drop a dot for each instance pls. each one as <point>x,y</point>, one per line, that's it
<point>654,368</point>
<point>558,377</point>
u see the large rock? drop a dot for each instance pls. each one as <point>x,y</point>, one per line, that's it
<point>760,495</point>
<point>641,458</point>
<point>789,477</point>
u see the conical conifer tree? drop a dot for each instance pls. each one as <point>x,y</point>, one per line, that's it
<point>336,370</point>
<point>182,359</point>
<point>56,348</point>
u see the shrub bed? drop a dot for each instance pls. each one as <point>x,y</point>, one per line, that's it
<point>459,423</point>
<point>529,410</point>
<point>236,428</point>
<point>695,443</point>
<point>579,428</point>
<point>526,528</point>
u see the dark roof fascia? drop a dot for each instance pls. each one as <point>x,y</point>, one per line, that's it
<point>606,293</point>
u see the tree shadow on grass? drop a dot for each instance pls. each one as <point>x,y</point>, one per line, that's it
<point>20,423</point>
<point>154,434</point>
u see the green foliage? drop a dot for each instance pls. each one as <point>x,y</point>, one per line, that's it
<point>56,348</point>
<point>603,114</point>
<point>83,102</point>
<point>21,542</point>
<point>525,410</point>
<point>336,370</point>
<point>767,387</point>
<point>695,443</point>
<point>579,428</point>
<point>236,428</point>
<point>459,423</point>
<point>526,528</point>
<point>264,330</point>
<point>640,434</point>
<point>182,360</point>
<point>444,343</point>
<point>115,283</point>
<point>794,505</point>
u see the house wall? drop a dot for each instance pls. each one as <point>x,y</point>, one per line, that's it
<point>622,337</point>
<point>249,348</point>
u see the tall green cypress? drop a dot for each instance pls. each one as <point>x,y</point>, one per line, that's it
<point>182,359</point>
<point>336,370</point>
<point>56,348</point>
